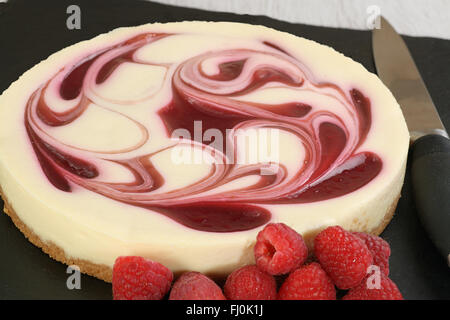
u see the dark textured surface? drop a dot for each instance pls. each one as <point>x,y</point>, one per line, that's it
<point>31,30</point>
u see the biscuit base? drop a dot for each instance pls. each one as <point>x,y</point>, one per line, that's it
<point>104,272</point>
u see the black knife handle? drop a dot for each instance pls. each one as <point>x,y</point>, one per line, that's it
<point>431,185</point>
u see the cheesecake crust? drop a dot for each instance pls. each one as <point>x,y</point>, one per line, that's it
<point>104,272</point>
<point>99,271</point>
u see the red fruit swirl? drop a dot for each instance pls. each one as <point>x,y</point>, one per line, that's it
<point>332,166</point>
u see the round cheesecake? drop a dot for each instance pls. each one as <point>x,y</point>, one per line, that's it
<point>179,142</point>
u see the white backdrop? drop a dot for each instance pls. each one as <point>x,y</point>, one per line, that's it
<point>409,17</point>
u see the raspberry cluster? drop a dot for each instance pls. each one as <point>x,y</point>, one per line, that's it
<point>340,260</point>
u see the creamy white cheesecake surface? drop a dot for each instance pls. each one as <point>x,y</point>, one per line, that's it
<point>180,141</point>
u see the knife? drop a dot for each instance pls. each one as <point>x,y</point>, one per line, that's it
<point>430,146</point>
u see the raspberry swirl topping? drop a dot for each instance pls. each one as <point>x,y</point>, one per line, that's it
<point>213,88</point>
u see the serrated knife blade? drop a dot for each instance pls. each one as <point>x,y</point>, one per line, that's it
<point>398,71</point>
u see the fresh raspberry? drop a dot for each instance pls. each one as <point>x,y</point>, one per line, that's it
<point>279,249</point>
<point>379,248</point>
<point>137,278</point>
<point>250,283</point>
<point>343,256</point>
<point>309,282</point>
<point>387,290</point>
<point>195,286</point>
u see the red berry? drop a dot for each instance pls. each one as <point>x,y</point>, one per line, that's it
<point>137,278</point>
<point>379,248</point>
<point>343,256</point>
<point>250,283</point>
<point>387,290</point>
<point>195,286</point>
<point>279,249</point>
<point>309,282</point>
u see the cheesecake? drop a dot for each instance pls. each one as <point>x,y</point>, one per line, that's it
<point>179,142</point>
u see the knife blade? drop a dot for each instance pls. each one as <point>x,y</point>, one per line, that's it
<point>430,148</point>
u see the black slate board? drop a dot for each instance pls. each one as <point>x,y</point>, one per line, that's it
<point>31,30</point>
